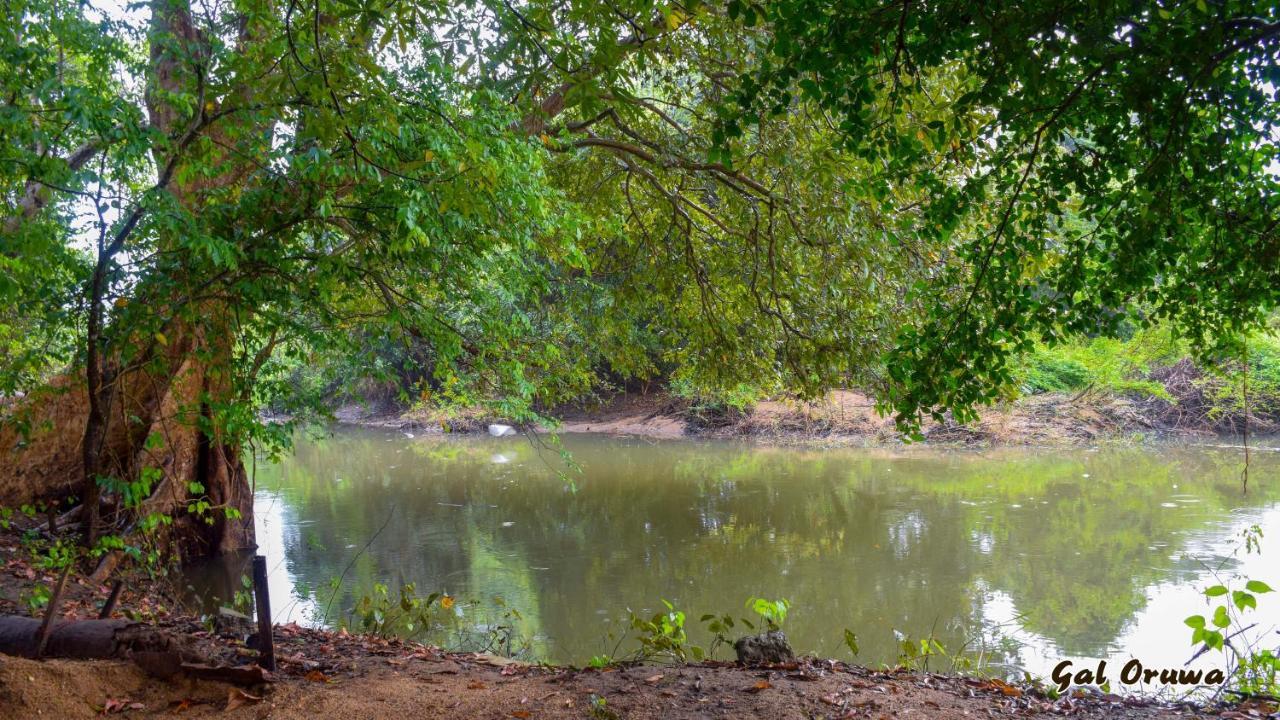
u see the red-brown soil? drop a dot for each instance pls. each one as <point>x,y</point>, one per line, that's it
<point>356,678</point>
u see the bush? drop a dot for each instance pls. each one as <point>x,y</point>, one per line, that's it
<point>1046,373</point>
<point>1108,365</point>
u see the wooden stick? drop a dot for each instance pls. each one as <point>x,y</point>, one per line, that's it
<point>55,600</point>
<point>110,605</point>
<point>266,644</point>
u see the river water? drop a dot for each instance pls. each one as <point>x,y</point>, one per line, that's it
<point>1029,556</point>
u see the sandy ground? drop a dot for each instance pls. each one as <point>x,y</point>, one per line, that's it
<point>410,683</point>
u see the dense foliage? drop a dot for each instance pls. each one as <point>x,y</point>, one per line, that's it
<point>1090,164</point>
<point>515,203</point>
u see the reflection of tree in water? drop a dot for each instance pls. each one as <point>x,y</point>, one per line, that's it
<point>1077,554</point>
<point>854,539</point>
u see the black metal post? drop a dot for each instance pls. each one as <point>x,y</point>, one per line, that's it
<point>266,644</point>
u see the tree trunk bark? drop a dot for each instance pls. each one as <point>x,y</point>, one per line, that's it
<point>169,382</point>
<point>44,463</point>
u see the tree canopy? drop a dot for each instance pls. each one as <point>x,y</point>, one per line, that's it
<point>1089,164</point>
<point>535,195</point>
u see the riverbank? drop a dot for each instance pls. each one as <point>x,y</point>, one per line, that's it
<point>323,673</point>
<point>848,418</point>
<point>354,678</point>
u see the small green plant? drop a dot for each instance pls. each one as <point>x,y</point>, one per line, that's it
<point>1251,670</point>
<point>242,600</point>
<point>663,636</point>
<point>37,598</point>
<point>917,653</point>
<point>501,637</point>
<point>409,615</point>
<point>719,626</point>
<point>599,709</point>
<point>772,612</point>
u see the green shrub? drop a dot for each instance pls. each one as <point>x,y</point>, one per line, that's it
<point>1107,365</point>
<point>1046,373</point>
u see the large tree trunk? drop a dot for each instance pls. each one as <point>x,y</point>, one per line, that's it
<point>149,398</point>
<point>41,458</point>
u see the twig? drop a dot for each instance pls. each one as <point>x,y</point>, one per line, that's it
<point>110,605</point>
<point>55,600</point>
<point>355,557</point>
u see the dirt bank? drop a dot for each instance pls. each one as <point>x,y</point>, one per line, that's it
<point>843,417</point>
<point>326,676</point>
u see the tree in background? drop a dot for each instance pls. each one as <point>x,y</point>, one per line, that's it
<point>1090,164</point>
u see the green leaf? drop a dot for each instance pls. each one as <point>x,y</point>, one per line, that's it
<point>1220,617</point>
<point>1242,599</point>
<point>1216,590</point>
<point>851,641</point>
<point>1257,586</point>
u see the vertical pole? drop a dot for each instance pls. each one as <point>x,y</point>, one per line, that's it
<point>266,644</point>
<point>110,605</point>
<point>55,601</point>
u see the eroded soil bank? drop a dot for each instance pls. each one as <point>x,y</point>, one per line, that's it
<point>326,675</point>
<point>849,417</point>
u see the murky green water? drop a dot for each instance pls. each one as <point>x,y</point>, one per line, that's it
<point>1041,554</point>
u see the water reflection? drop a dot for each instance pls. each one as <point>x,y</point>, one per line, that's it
<point>1073,553</point>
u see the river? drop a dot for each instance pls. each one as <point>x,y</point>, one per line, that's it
<point>1028,556</point>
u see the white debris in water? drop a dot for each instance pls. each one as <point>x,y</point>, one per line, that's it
<point>499,459</point>
<point>497,430</point>
<point>409,435</point>
<point>508,524</point>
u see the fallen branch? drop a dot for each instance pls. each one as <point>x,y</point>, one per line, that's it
<point>157,651</point>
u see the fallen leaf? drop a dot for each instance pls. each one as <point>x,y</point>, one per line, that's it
<point>238,698</point>
<point>317,676</point>
<point>521,714</point>
<point>498,661</point>
<point>475,685</point>
<point>180,705</point>
<point>1005,688</point>
<point>759,686</point>
<point>654,679</point>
